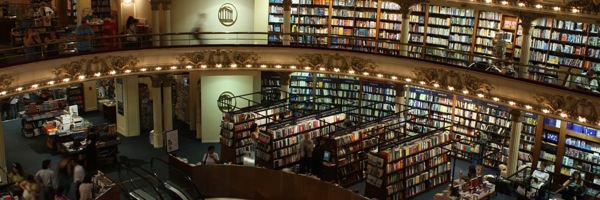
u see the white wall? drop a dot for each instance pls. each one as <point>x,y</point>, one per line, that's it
<point>261,24</point>
<point>185,16</point>
<point>212,86</point>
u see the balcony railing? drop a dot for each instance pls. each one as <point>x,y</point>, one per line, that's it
<point>565,76</point>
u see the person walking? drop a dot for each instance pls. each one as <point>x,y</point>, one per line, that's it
<point>31,188</point>
<point>306,150</point>
<point>65,175</point>
<point>47,179</point>
<point>78,176</point>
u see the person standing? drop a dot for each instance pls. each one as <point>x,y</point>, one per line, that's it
<point>306,150</point>
<point>31,39</point>
<point>47,179</point>
<point>86,189</point>
<point>52,43</point>
<point>16,176</point>
<point>78,176</point>
<point>211,158</point>
<point>84,34</point>
<point>317,159</point>
<point>31,188</point>
<point>91,151</point>
<point>64,175</point>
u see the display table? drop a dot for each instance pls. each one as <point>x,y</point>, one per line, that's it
<point>474,190</point>
<point>108,151</point>
<point>109,109</point>
<point>108,189</point>
<point>65,132</point>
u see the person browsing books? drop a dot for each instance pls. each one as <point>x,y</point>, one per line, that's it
<point>572,188</point>
<point>211,158</point>
<point>306,149</point>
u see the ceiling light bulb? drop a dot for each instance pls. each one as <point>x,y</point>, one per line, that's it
<point>528,107</point>
<point>97,74</point>
<point>366,73</point>
<point>218,65</point>
<point>173,67</point>
<point>203,66</point>
<point>112,72</point>
<point>512,103</point>
<point>35,86</point>
<point>556,8</point>
<point>293,67</point>
<point>496,99</point>
<point>422,82</point>
<point>128,71</point>
<point>81,77</point>
<point>450,88</point>
<point>538,6</point>
<point>248,65</point>
<point>394,78</point>
<point>480,95</point>
<point>582,119</point>
<point>233,65</point>
<point>336,69</point>
<point>19,89</point>
<point>66,80</point>
<point>263,66</point>
<point>158,68</point>
<point>521,4</point>
<point>563,114</point>
<point>188,66</point>
<point>351,71</point>
<point>3,93</point>
<point>379,75</point>
<point>504,2</point>
<point>465,91</point>
<point>143,69</point>
<point>50,82</point>
<point>575,10</point>
<point>436,85</point>
<point>408,80</point>
<point>307,68</point>
<point>322,68</point>
<point>545,110</point>
<point>488,1</point>
<point>278,66</point>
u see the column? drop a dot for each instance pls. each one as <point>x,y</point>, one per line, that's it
<point>128,117</point>
<point>287,15</point>
<point>194,93</point>
<point>157,113</point>
<point>154,5</point>
<point>404,32</point>
<point>400,99</point>
<point>515,140</point>
<point>3,156</point>
<point>285,84</point>
<point>167,105</point>
<point>525,48</point>
<point>166,5</point>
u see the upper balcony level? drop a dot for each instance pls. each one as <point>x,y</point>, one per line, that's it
<point>502,81</point>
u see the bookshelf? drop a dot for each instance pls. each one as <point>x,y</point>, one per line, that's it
<point>278,145</point>
<point>270,83</point>
<point>338,91</point>
<point>582,153</point>
<point>428,110</point>
<point>348,157</point>
<point>461,35</point>
<point>101,8</point>
<point>437,32</point>
<point>342,23</point>
<point>365,25</point>
<point>36,115</point>
<point>592,59</point>
<point>390,25</point>
<point>488,25</point>
<point>378,99</point>
<point>528,134</point>
<point>235,137</point>
<point>406,170</point>
<point>550,138</point>
<point>301,92</point>
<point>417,30</point>
<point>275,20</point>
<point>312,18</point>
<point>75,96</point>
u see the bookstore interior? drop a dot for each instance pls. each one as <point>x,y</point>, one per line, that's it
<point>399,140</point>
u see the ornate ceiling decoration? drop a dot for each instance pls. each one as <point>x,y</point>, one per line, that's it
<point>337,61</point>
<point>6,80</point>
<point>570,105</point>
<point>461,81</point>
<point>590,6</point>
<point>218,56</point>
<point>89,66</point>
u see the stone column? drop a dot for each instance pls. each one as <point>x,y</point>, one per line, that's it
<point>287,15</point>
<point>157,112</point>
<point>400,99</point>
<point>525,47</point>
<point>194,99</point>
<point>154,5</point>
<point>128,122</point>
<point>167,96</point>
<point>404,32</point>
<point>515,140</point>
<point>166,5</point>
<point>285,84</point>
<point>3,156</point>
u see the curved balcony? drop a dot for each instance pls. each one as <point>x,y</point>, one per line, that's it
<point>508,83</point>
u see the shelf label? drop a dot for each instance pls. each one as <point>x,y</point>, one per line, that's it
<point>528,114</point>
<point>350,81</point>
<point>412,89</point>
<point>441,94</point>
<point>467,99</point>
<point>324,79</point>
<point>330,112</point>
<point>303,78</point>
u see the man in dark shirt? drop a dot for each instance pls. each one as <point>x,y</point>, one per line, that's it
<point>317,159</point>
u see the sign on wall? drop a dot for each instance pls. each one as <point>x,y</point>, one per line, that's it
<point>227,14</point>
<point>172,140</point>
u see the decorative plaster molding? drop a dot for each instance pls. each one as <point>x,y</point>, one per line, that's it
<point>570,105</point>
<point>87,67</point>
<point>218,56</point>
<point>516,115</point>
<point>462,81</point>
<point>333,61</point>
<point>287,5</point>
<point>591,6</point>
<point>6,80</point>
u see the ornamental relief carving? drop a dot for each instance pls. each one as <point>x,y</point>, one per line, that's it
<point>573,106</point>
<point>89,66</point>
<point>218,56</point>
<point>6,80</point>
<point>337,61</point>
<point>460,81</point>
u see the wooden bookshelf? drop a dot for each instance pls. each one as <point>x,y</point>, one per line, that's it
<point>235,129</point>
<point>271,85</point>
<point>409,169</point>
<point>488,25</point>
<point>278,145</point>
<point>348,157</point>
<point>378,99</point>
<point>389,27</point>
<point>312,18</point>
<point>75,96</point>
<point>417,30</point>
<point>342,23</point>
<point>302,92</point>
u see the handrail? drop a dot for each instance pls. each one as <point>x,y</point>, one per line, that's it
<point>538,72</point>
<point>130,171</point>
<point>186,177</point>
